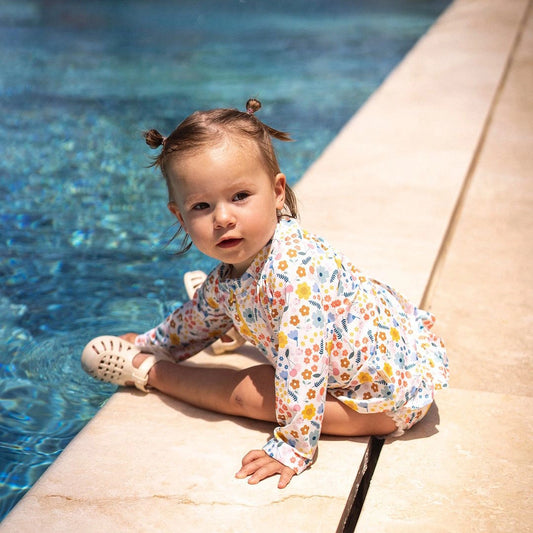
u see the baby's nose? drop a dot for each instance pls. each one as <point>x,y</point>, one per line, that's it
<point>223,216</point>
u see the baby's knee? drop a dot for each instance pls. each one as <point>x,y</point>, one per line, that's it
<point>253,394</point>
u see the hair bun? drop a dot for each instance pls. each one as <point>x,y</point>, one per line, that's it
<point>253,105</point>
<point>153,138</point>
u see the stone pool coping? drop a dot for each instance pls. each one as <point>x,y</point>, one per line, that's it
<point>148,463</point>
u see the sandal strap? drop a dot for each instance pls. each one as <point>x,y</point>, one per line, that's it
<point>140,375</point>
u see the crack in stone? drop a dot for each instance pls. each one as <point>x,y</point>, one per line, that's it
<point>186,501</point>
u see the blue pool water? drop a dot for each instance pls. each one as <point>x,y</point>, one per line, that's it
<point>83,223</point>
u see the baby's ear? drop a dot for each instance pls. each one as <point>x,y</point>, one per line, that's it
<point>173,208</point>
<point>280,181</point>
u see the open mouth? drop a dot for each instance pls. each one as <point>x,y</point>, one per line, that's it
<point>229,243</point>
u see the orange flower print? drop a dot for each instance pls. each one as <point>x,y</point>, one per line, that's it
<point>304,430</point>
<point>345,362</point>
<point>292,253</point>
<point>345,376</point>
<point>301,272</point>
<point>309,411</point>
<point>311,393</point>
<point>295,383</point>
<point>374,387</point>
<point>295,320</point>
<point>304,310</point>
<point>306,374</point>
<point>367,396</point>
<point>282,265</point>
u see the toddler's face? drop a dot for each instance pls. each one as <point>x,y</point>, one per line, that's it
<point>227,202</point>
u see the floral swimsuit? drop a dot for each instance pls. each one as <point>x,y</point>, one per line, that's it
<point>325,327</point>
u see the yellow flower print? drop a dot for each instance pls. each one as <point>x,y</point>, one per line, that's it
<point>282,339</point>
<point>395,334</point>
<point>244,329</point>
<point>364,377</point>
<point>212,303</point>
<point>309,411</point>
<point>303,291</point>
<point>388,369</point>
<point>174,339</point>
<point>351,404</point>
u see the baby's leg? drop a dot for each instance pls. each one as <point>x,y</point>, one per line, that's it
<point>250,393</point>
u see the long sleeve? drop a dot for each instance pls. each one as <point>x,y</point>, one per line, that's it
<point>192,327</point>
<point>302,363</point>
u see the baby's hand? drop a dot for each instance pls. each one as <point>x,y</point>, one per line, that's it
<point>130,337</point>
<point>258,465</point>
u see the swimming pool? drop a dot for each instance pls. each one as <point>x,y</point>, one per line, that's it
<point>83,223</point>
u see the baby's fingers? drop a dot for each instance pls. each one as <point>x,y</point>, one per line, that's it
<point>252,456</point>
<point>252,462</point>
<point>258,465</point>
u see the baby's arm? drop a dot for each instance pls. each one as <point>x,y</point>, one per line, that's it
<point>193,326</point>
<point>258,465</point>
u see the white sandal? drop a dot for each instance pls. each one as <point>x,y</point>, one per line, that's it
<point>110,359</point>
<point>193,280</point>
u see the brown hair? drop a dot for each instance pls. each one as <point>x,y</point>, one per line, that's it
<point>204,128</point>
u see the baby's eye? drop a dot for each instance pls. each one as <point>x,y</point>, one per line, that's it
<point>199,206</point>
<point>241,196</point>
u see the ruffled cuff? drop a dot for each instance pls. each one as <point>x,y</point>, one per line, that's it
<point>286,454</point>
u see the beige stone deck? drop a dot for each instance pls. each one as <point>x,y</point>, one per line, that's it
<point>429,188</point>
